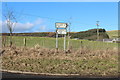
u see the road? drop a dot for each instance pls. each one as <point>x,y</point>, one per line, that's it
<point>19,75</point>
<point>9,75</point>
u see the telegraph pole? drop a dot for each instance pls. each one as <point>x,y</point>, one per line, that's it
<point>97,30</point>
<point>69,33</point>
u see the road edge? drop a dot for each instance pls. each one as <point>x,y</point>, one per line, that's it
<point>34,73</point>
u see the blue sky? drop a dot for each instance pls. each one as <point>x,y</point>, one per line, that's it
<point>60,0</point>
<point>41,16</point>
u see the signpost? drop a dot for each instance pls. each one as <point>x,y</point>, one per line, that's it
<point>61,31</point>
<point>61,25</point>
<point>61,28</point>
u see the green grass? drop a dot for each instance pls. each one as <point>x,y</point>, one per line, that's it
<point>50,43</point>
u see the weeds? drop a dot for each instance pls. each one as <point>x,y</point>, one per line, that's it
<point>83,61</point>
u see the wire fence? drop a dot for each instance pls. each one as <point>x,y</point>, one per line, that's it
<point>47,42</point>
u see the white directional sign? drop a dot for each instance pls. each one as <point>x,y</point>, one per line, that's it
<point>61,25</point>
<point>61,28</point>
<point>61,31</point>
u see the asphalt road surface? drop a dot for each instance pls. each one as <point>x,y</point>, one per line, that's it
<point>19,75</point>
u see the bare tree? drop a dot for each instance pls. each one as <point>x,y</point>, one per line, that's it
<point>10,21</point>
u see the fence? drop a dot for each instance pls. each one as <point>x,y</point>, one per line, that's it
<point>48,42</point>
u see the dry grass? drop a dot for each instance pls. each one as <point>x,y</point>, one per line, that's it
<point>83,61</point>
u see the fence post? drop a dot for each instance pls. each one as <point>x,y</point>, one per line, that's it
<point>24,40</point>
<point>3,40</point>
<point>81,44</point>
<point>43,42</point>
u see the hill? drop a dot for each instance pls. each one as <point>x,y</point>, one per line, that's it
<point>89,34</point>
<point>113,33</point>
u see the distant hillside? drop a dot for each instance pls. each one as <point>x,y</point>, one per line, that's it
<point>90,34</point>
<point>113,34</point>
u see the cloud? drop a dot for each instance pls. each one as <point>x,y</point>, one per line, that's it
<point>38,21</point>
<point>42,28</point>
<point>22,27</point>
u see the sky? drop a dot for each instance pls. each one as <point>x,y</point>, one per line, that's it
<point>60,0</point>
<point>42,16</point>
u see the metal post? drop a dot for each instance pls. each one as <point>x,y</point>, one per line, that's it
<point>69,38</point>
<point>64,42</point>
<point>56,40</point>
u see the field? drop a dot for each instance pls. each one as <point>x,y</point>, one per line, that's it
<point>89,58</point>
<point>113,33</point>
<point>50,43</point>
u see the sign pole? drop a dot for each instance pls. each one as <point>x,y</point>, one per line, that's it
<point>56,40</point>
<point>61,28</point>
<point>64,42</point>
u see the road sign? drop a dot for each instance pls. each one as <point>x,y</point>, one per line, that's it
<point>61,31</point>
<point>61,28</point>
<point>61,25</point>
